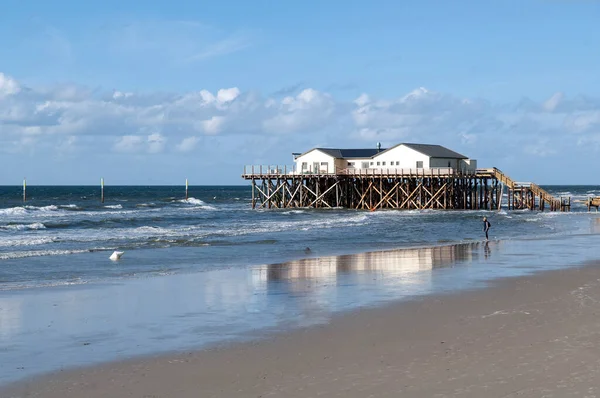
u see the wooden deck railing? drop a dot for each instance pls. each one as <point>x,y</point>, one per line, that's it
<point>272,170</point>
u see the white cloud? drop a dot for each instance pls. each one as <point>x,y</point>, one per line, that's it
<point>8,86</point>
<point>129,143</point>
<point>156,143</point>
<point>309,111</point>
<point>76,118</point>
<point>213,125</point>
<point>228,94</point>
<point>187,144</point>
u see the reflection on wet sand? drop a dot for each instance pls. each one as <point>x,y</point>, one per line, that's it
<point>397,263</point>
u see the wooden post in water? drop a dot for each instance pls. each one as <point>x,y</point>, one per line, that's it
<point>24,189</point>
<point>101,190</point>
<point>499,199</point>
<point>186,189</point>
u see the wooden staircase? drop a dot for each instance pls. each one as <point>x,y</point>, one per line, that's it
<point>526,195</point>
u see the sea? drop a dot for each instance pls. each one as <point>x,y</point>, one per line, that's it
<point>210,269</point>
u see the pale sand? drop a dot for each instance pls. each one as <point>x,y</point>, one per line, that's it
<point>532,336</point>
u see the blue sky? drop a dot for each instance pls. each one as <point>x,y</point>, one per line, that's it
<point>154,92</point>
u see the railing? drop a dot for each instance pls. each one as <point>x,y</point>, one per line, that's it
<point>500,176</point>
<point>262,169</point>
<point>250,170</point>
<point>541,192</point>
<point>442,171</point>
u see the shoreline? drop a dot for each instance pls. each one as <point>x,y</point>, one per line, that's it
<point>516,335</point>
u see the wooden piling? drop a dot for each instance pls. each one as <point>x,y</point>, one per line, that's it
<point>373,189</point>
<point>24,189</point>
<point>101,190</point>
<point>186,189</point>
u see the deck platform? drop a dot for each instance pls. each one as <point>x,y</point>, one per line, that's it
<point>394,188</point>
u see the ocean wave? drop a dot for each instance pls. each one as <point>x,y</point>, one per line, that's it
<point>71,206</point>
<point>13,211</point>
<point>197,203</point>
<point>26,241</point>
<point>113,207</point>
<point>146,205</point>
<point>43,208</point>
<point>39,253</point>
<point>193,201</point>
<point>22,227</point>
<point>154,230</point>
<point>294,212</point>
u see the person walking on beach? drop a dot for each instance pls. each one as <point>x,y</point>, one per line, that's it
<point>486,227</point>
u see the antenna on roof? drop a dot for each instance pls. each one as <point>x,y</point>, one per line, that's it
<point>378,146</point>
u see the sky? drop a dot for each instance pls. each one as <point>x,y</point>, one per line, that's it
<point>154,92</point>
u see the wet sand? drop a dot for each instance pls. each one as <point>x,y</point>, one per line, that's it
<point>529,336</point>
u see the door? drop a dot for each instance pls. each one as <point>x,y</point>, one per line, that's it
<point>316,167</point>
<point>364,165</point>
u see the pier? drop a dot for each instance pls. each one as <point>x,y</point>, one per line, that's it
<point>395,188</point>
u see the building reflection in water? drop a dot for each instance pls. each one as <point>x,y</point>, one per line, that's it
<point>398,264</point>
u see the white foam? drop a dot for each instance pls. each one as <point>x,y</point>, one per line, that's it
<point>22,227</point>
<point>197,203</point>
<point>193,201</point>
<point>153,230</point>
<point>43,208</point>
<point>113,207</point>
<point>146,205</point>
<point>26,241</point>
<point>38,253</point>
<point>294,212</point>
<point>13,211</point>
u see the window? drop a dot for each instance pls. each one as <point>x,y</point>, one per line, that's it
<point>304,165</point>
<point>383,163</point>
<point>378,164</point>
<point>419,164</point>
<point>371,164</point>
<point>449,164</point>
<point>397,163</point>
<point>323,163</point>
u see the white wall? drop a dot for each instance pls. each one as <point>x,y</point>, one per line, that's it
<point>315,156</point>
<point>358,163</point>
<point>468,164</point>
<point>443,162</point>
<point>407,157</point>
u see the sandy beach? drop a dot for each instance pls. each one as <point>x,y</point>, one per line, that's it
<point>528,336</point>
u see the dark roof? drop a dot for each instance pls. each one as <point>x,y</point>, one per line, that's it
<point>435,151</point>
<point>351,153</point>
